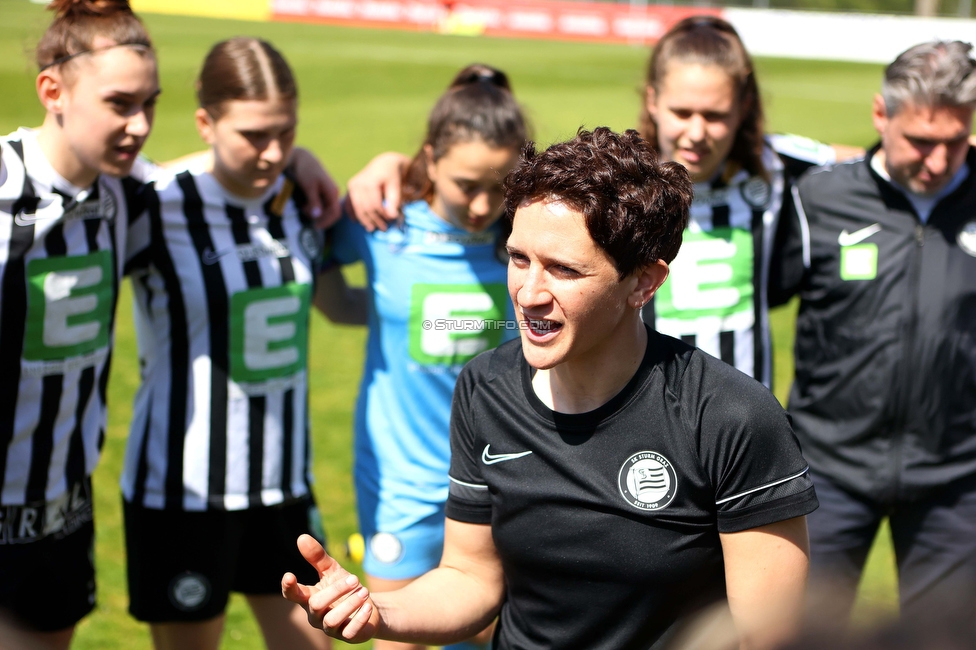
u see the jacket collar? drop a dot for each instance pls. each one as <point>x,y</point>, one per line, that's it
<point>895,198</point>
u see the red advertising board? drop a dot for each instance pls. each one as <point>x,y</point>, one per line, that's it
<point>610,22</point>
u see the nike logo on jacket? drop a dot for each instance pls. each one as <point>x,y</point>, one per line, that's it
<point>850,238</point>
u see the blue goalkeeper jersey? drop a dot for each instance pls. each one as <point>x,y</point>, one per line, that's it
<point>439,297</point>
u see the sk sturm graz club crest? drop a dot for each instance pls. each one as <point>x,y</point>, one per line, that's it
<point>647,481</point>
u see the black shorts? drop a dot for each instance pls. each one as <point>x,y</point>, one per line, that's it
<point>47,546</point>
<point>182,566</point>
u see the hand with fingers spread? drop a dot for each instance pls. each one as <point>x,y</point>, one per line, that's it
<point>321,192</point>
<point>374,193</point>
<point>337,604</point>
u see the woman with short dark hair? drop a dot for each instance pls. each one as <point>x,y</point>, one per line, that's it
<point>606,480</point>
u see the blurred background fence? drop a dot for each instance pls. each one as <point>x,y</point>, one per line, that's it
<point>845,30</point>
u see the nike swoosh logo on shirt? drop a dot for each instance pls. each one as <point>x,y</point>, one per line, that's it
<point>210,256</point>
<point>491,459</point>
<point>850,238</point>
<point>70,209</point>
<point>23,219</point>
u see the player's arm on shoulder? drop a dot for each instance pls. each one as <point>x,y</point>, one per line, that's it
<point>339,302</point>
<point>765,573</point>
<point>196,160</point>
<point>334,298</point>
<point>320,189</point>
<point>374,193</point>
<point>844,152</point>
<point>145,170</point>
<point>812,152</point>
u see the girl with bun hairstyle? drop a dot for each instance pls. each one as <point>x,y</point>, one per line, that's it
<point>438,293</point>
<point>217,478</point>
<point>65,206</point>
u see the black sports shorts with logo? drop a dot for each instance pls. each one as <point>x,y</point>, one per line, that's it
<point>182,566</point>
<point>44,544</point>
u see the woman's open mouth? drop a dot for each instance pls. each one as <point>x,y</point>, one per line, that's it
<point>127,152</point>
<point>542,328</point>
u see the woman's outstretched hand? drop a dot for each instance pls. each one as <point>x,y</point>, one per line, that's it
<point>337,604</point>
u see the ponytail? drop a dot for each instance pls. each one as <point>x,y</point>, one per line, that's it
<point>477,105</point>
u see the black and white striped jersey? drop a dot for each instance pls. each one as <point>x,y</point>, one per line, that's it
<point>716,296</point>
<point>222,289</point>
<point>61,256</point>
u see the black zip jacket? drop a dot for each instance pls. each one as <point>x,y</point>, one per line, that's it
<point>884,400</point>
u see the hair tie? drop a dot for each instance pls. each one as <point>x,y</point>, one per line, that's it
<point>68,57</point>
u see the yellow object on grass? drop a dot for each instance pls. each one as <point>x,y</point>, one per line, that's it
<point>238,9</point>
<point>356,548</point>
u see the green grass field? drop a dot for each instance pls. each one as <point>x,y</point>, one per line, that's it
<point>363,92</point>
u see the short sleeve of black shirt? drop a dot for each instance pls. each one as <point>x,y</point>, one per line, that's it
<point>469,500</point>
<point>747,448</point>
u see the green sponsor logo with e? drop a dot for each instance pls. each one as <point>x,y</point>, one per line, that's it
<point>859,262</point>
<point>710,277</point>
<point>450,324</point>
<point>69,306</point>
<point>269,332</point>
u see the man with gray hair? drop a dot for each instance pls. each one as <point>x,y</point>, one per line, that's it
<point>882,251</point>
